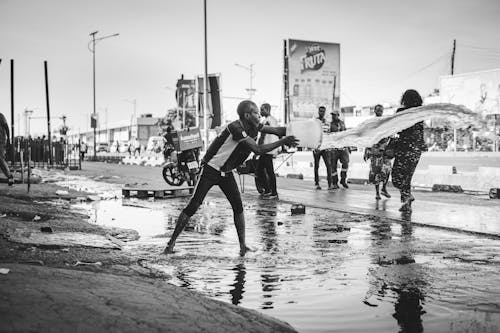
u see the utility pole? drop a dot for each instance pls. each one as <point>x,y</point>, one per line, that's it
<point>453,72</point>
<point>27,115</point>
<point>453,57</point>
<point>48,112</point>
<point>205,79</point>
<point>94,114</point>
<point>12,107</point>
<point>93,87</point>
<point>251,90</point>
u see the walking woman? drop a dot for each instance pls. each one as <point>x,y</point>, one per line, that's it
<point>408,148</point>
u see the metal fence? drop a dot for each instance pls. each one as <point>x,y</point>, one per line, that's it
<point>39,153</point>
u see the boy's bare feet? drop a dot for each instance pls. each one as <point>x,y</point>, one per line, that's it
<point>169,249</point>
<point>245,249</point>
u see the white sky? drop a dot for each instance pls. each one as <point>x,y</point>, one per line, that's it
<point>387,46</point>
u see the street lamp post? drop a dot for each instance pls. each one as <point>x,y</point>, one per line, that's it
<point>133,117</point>
<point>93,42</point>
<point>251,90</point>
<point>27,116</point>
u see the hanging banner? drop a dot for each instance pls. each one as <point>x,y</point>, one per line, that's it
<point>313,77</point>
<point>185,93</point>
<point>214,102</point>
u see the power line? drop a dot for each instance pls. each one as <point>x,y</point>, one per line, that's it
<point>446,55</point>
<point>481,48</point>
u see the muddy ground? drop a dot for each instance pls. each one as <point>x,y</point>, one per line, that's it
<point>46,286</point>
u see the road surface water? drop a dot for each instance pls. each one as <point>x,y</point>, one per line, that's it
<point>323,271</point>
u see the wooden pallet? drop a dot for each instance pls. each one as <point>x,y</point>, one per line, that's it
<point>146,192</point>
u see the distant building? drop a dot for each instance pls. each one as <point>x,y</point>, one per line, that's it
<point>143,127</point>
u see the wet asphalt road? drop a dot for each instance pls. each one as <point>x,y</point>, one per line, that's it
<point>324,271</point>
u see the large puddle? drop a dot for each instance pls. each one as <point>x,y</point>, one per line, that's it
<point>323,271</point>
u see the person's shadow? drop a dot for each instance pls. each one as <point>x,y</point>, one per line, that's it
<point>395,270</point>
<point>239,284</point>
<point>267,212</point>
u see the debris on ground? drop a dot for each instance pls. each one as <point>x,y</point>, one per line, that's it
<point>46,229</point>
<point>97,264</point>
<point>62,192</point>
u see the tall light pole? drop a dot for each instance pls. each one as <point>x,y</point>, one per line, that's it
<point>134,114</point>
<point>93,42</point>
<point>27,116</point>
<point>251,90</point>
<point>205,78</point>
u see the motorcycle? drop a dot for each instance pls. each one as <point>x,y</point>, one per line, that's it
<point>182,167</point>
<point>182,157</point>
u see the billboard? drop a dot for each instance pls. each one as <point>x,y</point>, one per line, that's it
<point>313,77</point>
<point>478,91</point>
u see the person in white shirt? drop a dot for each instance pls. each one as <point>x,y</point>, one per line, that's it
<point>265,168</point>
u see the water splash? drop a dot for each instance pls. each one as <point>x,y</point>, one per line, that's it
<point>373,130</point>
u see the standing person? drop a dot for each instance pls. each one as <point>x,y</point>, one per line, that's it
<point>83,150</point>
<point>408,148</point>
<point>136,146</point>
<point>4,142</point>
<point>226,152</point>
<point>265,168</point>
<point>324,153</point>
<point>380,161</point>
<point>339,154</point>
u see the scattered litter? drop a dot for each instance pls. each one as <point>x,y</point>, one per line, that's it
<point>93,198</point>
<point>115,240</point>
<point>4,270</point>
<point>80,263</point>
<point>4,215</point>
<point>37,218</point>
<point>298,209</point>
<point>62,192</point>
<point>46,229</point>
<point>37,262</point>
<point>65,249</point>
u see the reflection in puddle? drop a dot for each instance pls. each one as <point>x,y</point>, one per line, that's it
<point>322,271</point>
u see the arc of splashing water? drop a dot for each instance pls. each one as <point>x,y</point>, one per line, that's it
<point>373,130</point>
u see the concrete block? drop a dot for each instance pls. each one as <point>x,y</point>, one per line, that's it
<point>467,181</point>
<point>442,169</point>
<point>447,188</point>
<point>358,171</point>
<point>489,172</point>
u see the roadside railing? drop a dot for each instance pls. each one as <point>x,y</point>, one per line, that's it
<point>38,153</point>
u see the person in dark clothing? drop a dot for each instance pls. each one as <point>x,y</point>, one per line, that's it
<point>265,167</point>
<point>408,148</point>
<point>83,150</point>
<point>226,152</point>
<point>4,142</point>
<point>341,154</point>
<point>324,153</point>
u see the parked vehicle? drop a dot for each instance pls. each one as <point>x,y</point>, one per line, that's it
<point>102,147</point>
<point>182,157</point>
<point>155,144</point>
